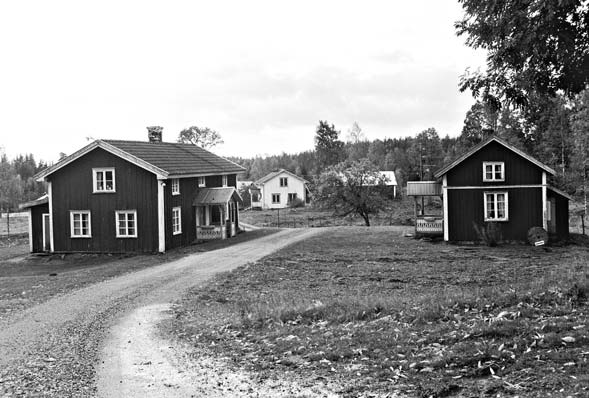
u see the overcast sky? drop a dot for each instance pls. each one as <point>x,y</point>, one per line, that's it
<point>262,73</point>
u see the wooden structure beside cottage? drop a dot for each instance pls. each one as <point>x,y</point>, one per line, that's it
<point>494,182</point>
<point>131,196</point>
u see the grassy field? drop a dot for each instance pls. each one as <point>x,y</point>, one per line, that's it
<point>369,312</point>
<point>400,212</point>
<point>28,280</point>
<point>17,225</point>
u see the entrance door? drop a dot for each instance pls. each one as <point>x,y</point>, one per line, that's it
<point>552,216</point>
<point>46,233</point>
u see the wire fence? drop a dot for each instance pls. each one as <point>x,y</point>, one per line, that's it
<point>13,224</point>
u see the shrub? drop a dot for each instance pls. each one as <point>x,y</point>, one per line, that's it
<point>490,233</point>
<point>296,202</point>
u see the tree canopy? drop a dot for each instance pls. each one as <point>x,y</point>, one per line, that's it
<point>532,46</point>
<point>201,136</point>
<point>352,188</point>
<point>328,147</point>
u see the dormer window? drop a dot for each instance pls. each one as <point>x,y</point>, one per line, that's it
<point>224,180</point>
<point>103,180</point>
<point>175,186</point>
<point>493,171</point>
<point>202,182</point>
<point>284,181</point>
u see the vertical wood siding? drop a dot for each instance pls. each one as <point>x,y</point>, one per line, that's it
<point>188,191</point>
<point>37,224</point>
<point>518,170</point>
<point>136,189</point>
<point>466,206</point>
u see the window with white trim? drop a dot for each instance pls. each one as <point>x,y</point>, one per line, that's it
<point>496,206</point>
<point>224,180</point>
<point>202,182</point>
<point>80,226</point>
<point>175,186</point>
<point>292,197</point>
<point>493,171</point>
<point>284,181</point>
<point>176,220</point>
<point>126,223</point>
<point>103,180</point>
<point>275,198</point>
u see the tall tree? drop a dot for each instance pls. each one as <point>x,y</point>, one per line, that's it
<point>355,133</point>
<point>580,129</point>
<point>532,46</point>
<point>201,136</point>
<point>352,188</point>
<point>11,187</point>
<point>426,154</point>
<point>329,150</point>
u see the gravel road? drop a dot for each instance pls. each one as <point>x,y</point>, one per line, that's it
<point>54,349</point>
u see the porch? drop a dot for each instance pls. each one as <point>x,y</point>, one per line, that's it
<point>426,224</point>
<point>217,213</point>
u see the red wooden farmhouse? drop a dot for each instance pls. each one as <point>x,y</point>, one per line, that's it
<point>493,182</point>
<point>129,196</point>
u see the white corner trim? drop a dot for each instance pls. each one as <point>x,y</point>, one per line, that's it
<point>161,225</point>
<point>445,204</point>
<point>544,201</point>
<point>31,229</point>
<point>50,197</point>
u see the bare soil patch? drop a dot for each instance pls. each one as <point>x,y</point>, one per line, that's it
<point>27,280</point>
<point>373,313</point>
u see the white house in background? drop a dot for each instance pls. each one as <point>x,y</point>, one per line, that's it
<point>279,188</point>
<point>391,181</point>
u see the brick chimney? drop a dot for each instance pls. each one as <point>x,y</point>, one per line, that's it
<point>154,133</point>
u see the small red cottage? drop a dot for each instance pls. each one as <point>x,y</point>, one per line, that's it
<point>494,182</point>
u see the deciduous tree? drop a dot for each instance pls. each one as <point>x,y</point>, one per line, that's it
<point>352,188</point>
<point>203,137</point>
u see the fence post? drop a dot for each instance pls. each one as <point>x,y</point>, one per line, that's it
<point>583,222</point>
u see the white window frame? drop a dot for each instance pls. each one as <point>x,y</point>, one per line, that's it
<point>175,186</point>
<point>81,213</point>
<point>202,181</point>
<point>292,196</point>
<point>118,213</point>
<point>494,170</point>
<point>285,179</point>
<point>495,193</point>
<point>224,180</point>
<point>103,170</point>
<point>278,196</point>
<point>176,220</point>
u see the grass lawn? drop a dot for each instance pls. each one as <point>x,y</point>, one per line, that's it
<point>370,312</point>
<point>399,212</point>
<point>28,280</point>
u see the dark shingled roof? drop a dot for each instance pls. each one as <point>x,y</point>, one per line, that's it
<point>216,196</point>
<point>178,159</point>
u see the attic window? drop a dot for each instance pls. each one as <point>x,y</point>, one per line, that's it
<point>202,182</point>
<point>175,186</point>
<point>284,181</point>
<point>493,171</point>
<point>224,180</point>
<point>103,180</point>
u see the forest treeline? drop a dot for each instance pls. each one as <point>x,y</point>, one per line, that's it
<point>551,128</point>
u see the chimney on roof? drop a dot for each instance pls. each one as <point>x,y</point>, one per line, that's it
<point>154,133</point>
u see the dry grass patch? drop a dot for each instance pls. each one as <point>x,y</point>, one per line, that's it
<point>372,312</point>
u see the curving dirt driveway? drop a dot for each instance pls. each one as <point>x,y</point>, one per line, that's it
<point>58,348</point>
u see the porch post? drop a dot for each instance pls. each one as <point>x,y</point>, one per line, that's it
<point>544,202</point>
<point>222,221</point>
<point>445,204</point>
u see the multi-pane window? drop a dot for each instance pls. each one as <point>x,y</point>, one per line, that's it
<point>292,197</point>
<point>224,180</point>
<point>103,180</point>
<point>175,186</point>
<point>176,220</point>
<point>493,171</point>
<point>284,181</point>
<point>275,198</point>
<point>202,182</point>
<point>126,221</point>
<point>80,224</point>
<point>496,206</point>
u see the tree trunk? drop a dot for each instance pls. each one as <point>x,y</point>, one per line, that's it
<point>366,219</point>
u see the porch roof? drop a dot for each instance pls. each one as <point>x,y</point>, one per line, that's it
<point>216,196</point>
<point>37,202</point>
